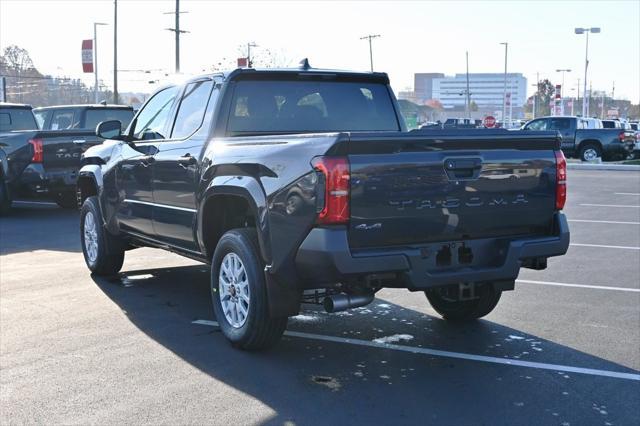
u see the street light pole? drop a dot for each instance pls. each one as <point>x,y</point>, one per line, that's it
<point>115,51</point>
<point>249,46</point>
<point>585,102</point>
<point>95,59</point>
<point>504,94</point>
<point>468,92</point>
<point>370,36</point>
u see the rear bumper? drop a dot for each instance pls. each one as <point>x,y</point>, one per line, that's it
<point>325,258</point>
<point>37,183</point>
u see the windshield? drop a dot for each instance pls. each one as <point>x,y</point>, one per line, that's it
<point>17,119</point>
<point>311,106</point>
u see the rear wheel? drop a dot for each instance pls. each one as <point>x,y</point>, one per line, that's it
<point>5,198</point>
<point>103,252</point>
<point>590,151</point>
<point>453,309</point>
<point>239,293</point>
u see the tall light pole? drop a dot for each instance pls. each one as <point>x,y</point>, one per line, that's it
<point>504,95</point>
<point>370,36</point>
<point>585,101</point>
<point>95,58</point>
<point>468,92</point>
<point>562,87</point>
<point>115,51</point>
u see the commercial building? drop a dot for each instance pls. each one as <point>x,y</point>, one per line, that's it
<point>423,85</point>
<point>486,89</point>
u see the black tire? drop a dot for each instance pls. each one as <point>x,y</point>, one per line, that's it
<point>465,310</point>
<point>5,198</point>
<point>109,250</point>
<point>589,152</point>
<point>259,330</point>
<point>67,200</point>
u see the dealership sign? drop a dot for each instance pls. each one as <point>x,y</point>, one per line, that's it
<point>87,55</point>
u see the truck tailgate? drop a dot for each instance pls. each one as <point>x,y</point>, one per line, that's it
<point>417,188</point>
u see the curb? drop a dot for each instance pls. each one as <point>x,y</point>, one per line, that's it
<point>588,166</point>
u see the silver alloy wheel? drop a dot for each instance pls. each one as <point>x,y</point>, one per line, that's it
<point>90,237</point>
<point>233,285</point>
<point>590,154</point>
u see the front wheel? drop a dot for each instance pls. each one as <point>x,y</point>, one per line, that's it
<point>103,252</point>
<point>239,293</point>
<point>452,309</point>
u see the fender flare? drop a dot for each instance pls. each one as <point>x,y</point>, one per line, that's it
<point>251,191</point>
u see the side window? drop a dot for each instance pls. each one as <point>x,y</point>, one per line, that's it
<point>192,107</point>
<point>152,119</point>
<point>559,124</point>
<point>41,118</point>
<point>537,125</point>
<point>62,119</point>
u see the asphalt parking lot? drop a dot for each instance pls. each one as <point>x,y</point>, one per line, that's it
<point>564,348</point>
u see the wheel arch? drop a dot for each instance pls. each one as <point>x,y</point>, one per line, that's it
<point>229,202</point>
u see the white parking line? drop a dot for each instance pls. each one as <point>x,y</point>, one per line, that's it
<point>609,205</point>
<point>595,287</point>
<point>457,355</point>
<point>42,203</point>
<point>627,193</point>
<point>614,222</point>
<point>604,246</point>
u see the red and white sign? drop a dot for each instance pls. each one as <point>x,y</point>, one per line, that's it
<point>87,55</point>
<point>242,62</point>
<point>489,121</point>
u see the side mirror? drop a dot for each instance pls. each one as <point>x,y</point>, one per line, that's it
<point>111,129</point>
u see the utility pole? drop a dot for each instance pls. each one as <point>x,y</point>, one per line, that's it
<point>115,51</point>
<point>249,46</point>
<point>95,59</point>
<point>178,31</point>
<point>535,95</point>
<point>585,103</point>
<point>370,36</point>
<point>504,94</point>
<point>468,93</point>
<point>562,87</point>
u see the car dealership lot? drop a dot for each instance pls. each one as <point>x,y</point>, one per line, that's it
<point>564,348</point>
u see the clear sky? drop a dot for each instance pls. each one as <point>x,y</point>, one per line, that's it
<point>417,36</point>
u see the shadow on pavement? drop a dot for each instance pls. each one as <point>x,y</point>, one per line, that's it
<point>29,227</point>
<point>314,382</point>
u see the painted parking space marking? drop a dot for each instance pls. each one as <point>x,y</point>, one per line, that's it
<point>456,355</point>
<point>604,246</point>
<point>594,287</point>
<point>627,193</point>
<point>613,222</point>
<point>610,205</point>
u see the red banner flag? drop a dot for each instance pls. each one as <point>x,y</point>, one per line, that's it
<point>87,55</point>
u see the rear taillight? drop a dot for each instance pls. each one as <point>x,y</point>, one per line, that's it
<point>37,150</point>
<point>621,136</point>
<point>561,180</point>
<point>335,171</point>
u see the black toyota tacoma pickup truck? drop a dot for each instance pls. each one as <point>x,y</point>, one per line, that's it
<point>303,186</point>
<point>43,163</point>
<point>584,143</point>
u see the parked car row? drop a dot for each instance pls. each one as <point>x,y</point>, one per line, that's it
<point>40,149</point>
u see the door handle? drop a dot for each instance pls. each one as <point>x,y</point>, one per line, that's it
<point>79,141</point>
<point>147,160</point>
<point>187,160</point>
